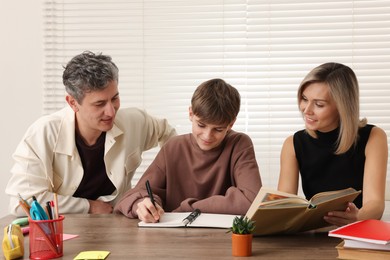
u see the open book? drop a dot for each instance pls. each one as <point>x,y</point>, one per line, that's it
<point>278,212</point>
<point>175,219</point>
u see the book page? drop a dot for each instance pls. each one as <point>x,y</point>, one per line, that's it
<point>175,219</point>
<point>271,197</point>
<point>331,195</point>
<point>280,201</point>
<point>268,197</point>
<point>350,243</point>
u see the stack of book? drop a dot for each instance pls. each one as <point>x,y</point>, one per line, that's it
<point>367,239</point>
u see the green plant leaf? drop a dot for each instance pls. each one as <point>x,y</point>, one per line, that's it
<point>242,225</point>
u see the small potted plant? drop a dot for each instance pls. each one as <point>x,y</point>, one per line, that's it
<point>242,229</point>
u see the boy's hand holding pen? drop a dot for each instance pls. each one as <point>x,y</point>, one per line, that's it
<point>148,210</point>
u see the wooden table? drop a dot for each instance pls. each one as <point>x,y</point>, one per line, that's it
<point>122,237</point>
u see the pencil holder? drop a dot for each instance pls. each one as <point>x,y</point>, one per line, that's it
<point>46,238</point>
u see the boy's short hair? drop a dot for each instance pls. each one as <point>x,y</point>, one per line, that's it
<point>216,102</point>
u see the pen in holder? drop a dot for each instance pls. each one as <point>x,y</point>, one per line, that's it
<point>46,238</point>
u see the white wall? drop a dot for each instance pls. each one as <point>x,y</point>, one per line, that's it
<point>21,69</point>
<point>21,66</point>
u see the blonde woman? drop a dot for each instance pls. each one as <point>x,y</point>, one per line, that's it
<point>337,149</point>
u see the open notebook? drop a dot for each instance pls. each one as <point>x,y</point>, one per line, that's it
<point>175,219</point>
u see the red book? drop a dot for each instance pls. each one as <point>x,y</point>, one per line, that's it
<point>371,230</point>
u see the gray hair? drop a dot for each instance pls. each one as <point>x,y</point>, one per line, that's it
<point>88,72</point>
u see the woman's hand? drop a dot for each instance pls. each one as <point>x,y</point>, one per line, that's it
<point>341,218</point>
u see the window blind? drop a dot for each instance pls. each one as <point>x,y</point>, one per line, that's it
<point>165,49</point>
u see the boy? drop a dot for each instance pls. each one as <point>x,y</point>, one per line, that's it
<point>213,169</point>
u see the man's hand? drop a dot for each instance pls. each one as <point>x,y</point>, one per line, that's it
<point>99,207</point>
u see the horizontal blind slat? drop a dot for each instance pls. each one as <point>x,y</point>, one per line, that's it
<point>164,49</point>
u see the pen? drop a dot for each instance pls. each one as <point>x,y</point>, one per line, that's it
<point>25,203</point>
<point>25,209</point>
<point>149,189</point>
<point>194,214</point>
<point>52,208</point>
<point>56,214</point>
<point>49,210</point>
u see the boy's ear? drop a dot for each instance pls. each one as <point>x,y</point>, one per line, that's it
<point>232,123</point>
<point>72,103</point>
<point>190,113</point>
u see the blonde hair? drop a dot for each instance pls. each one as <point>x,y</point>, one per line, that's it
<point>344,90</point>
